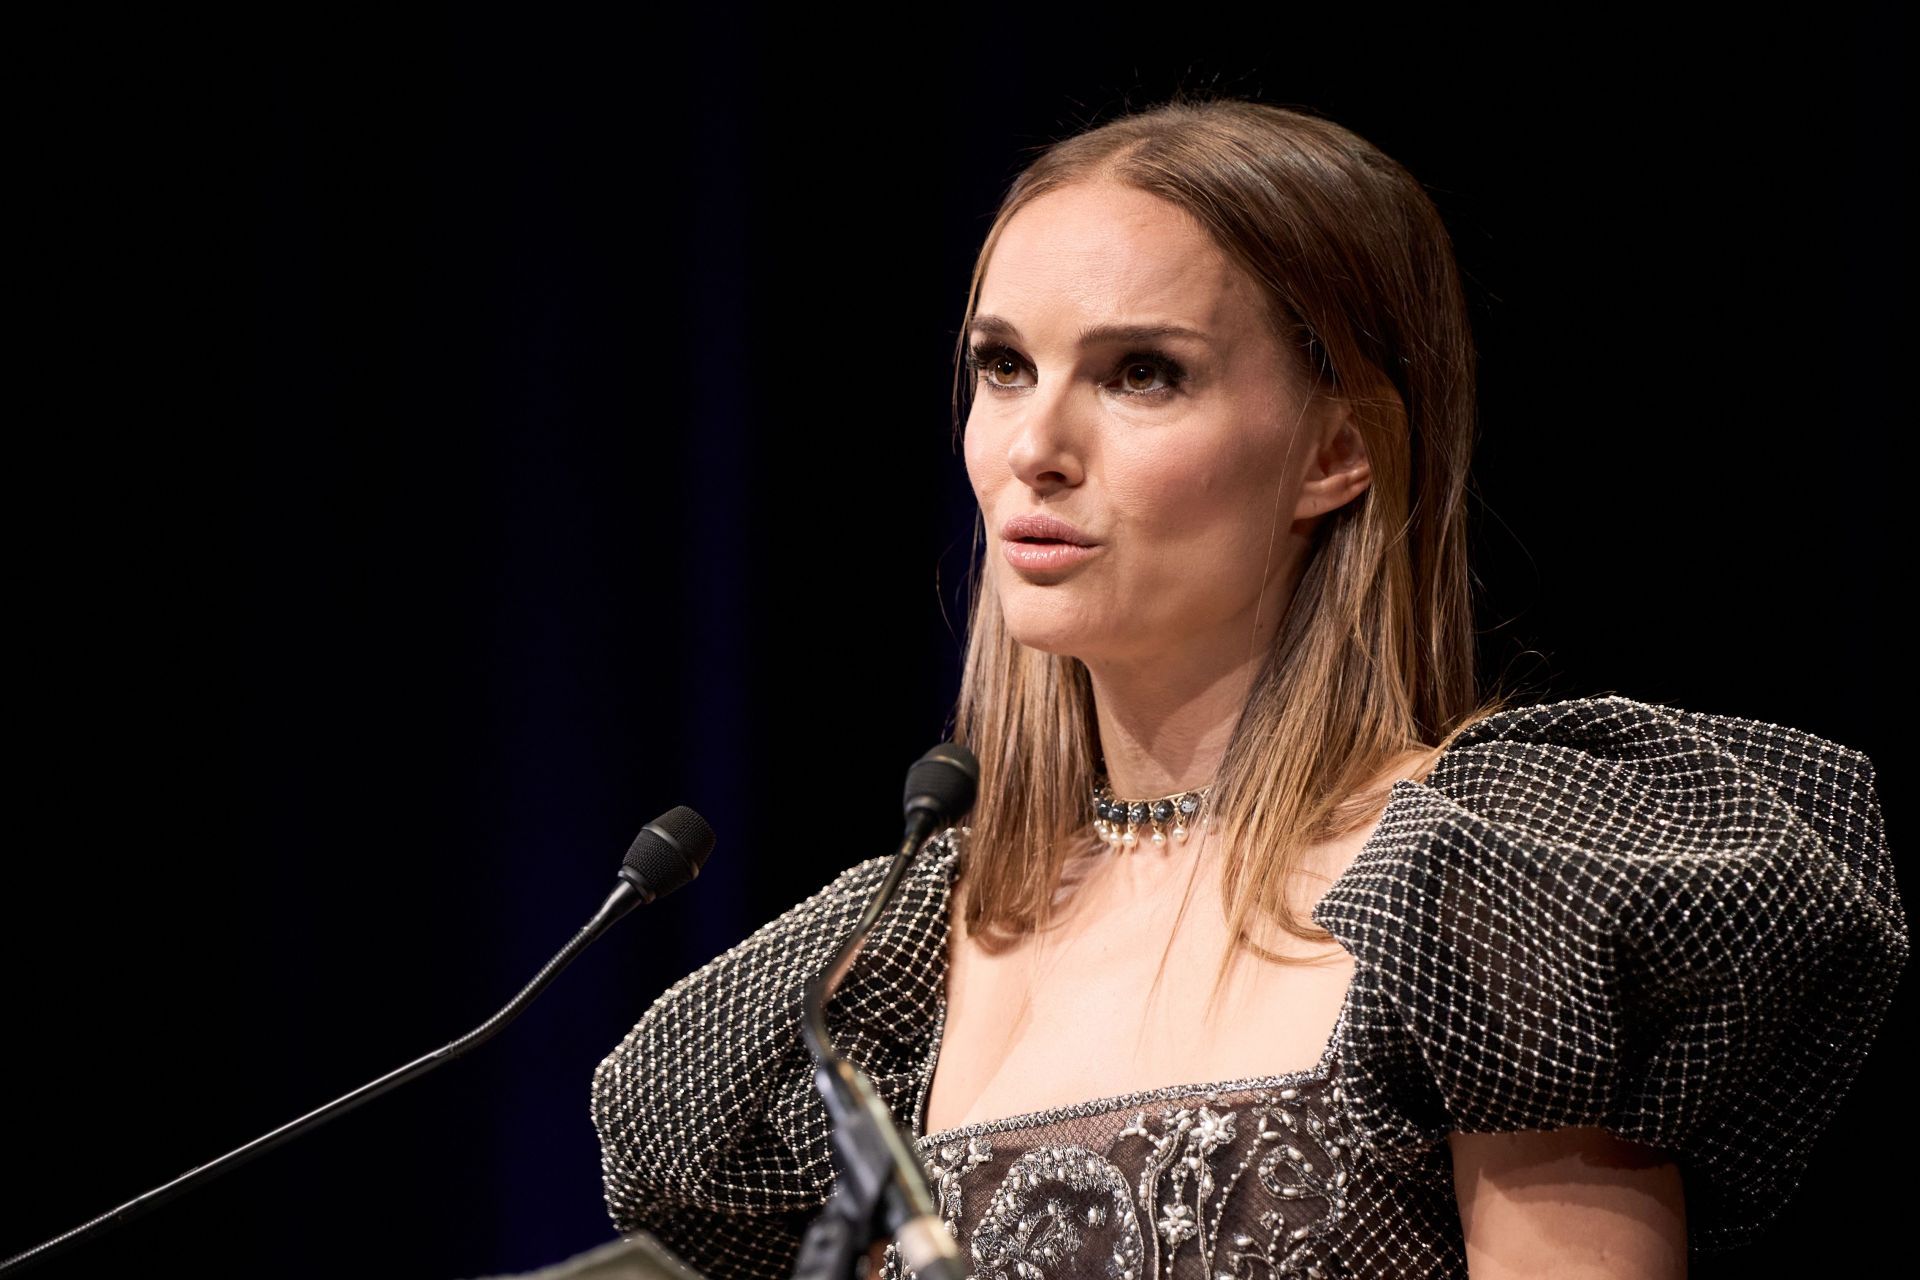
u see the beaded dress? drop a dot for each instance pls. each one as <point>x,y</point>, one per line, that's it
<point>1679,926</point>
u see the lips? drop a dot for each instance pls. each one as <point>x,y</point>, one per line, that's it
<point>1043,529</point>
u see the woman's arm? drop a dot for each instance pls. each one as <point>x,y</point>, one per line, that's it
<point>1569,1202</point>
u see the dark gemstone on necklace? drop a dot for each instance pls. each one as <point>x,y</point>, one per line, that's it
<point>1162,810</point>
<point>1140,813</point>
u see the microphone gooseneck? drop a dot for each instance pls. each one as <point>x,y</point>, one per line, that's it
<point>668,852</point>
<point>883,1187</point>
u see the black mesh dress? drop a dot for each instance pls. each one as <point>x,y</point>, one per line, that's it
<point>1678,926</point>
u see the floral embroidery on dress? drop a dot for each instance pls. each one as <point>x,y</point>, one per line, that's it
<point>1199,1187</point>
<point>1058,1206</point>
<point>949,1164</point>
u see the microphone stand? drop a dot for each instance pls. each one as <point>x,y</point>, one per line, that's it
<point>881,1181</point>
<point>667,853</point>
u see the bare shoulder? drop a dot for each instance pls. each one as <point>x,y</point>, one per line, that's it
<point>1323,863</point>
<point>1412,765</point>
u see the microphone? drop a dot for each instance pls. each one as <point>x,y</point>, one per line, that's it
<point>941,786</point>
<point>882,1181</point>
<point>668,852</point>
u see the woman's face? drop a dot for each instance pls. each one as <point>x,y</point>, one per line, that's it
<point>1180,456</point>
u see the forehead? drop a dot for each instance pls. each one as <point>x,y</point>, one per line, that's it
<point>1090,253</point>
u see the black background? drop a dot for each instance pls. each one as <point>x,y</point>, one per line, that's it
<point>447,441</point>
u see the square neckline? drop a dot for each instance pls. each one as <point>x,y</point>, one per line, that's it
<point>1320,1072</point>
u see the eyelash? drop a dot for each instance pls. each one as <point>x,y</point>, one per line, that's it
<point>982,356</point>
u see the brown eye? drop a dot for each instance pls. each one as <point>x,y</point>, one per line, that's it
<point>991,363</point>
<point>1139,371</point>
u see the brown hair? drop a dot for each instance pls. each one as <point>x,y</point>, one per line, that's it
<point>1375,656</point>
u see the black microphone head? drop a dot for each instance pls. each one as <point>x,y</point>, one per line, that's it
<point>943,782</point>
<point>668,852</point>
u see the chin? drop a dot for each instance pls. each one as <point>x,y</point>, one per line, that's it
<point>1051,632</point>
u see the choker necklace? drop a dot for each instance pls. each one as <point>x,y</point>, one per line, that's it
<point>1121,823</point>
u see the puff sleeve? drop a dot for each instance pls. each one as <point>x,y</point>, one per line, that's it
<point>1681,927</point>
<point>712,1136</point>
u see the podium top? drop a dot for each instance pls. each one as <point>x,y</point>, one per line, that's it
<point>637,1256</point>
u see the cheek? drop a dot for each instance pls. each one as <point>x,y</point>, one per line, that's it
<point>983,449</point>
<point>1176,491</point>
<point>1211,502</point>
<point>979,475</point>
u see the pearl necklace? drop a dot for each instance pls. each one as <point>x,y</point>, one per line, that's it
<point>1121,822</point>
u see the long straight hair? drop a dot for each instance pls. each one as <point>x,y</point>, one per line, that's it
<point>1375,656</point>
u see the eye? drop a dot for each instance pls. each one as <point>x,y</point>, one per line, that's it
<point>988,362</point>
<point>1152,365</point>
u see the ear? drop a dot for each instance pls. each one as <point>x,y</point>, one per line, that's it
<point>1338,470</point>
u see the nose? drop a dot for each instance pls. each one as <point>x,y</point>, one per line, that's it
<point>1045,448</point>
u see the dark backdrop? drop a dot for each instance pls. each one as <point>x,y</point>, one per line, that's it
<point>449,441</point>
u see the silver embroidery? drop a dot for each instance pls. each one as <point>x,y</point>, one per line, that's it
<point>948,1166</point>
<point>1201,1186</point>
<point>1058,1210</point>
<point>1298,1250</point>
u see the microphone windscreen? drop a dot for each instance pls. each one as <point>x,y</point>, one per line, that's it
<point>669,851</point>
<point>944,782</point>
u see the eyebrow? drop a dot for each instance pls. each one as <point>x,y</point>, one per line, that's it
<point>1000,327</point>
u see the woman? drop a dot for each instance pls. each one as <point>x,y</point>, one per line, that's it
<point>1268,948</point>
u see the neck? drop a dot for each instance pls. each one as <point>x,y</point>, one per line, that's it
<point>1166,714</point>
<point>1164,727</point>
